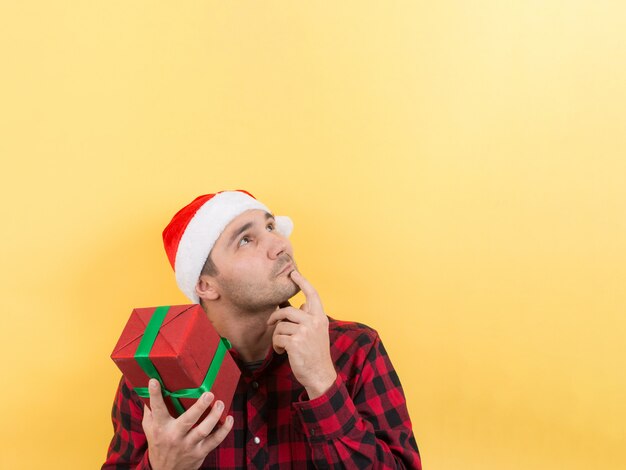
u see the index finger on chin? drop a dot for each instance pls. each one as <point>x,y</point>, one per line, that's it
<point>312,297</point>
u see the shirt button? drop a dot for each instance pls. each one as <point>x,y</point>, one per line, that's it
<point>255,385</point>
<point>257,440</point>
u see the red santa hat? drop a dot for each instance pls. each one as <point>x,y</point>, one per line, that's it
<point>193,231</point>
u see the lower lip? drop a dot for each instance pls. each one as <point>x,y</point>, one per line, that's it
<point>285,269</point>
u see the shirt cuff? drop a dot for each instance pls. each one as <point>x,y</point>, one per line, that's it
<point>328,416</point>
<point>145,462</point>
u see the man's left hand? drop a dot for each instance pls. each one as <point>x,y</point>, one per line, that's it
<point>303,333</point>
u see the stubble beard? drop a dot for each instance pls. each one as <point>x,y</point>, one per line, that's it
<point>254,297</point>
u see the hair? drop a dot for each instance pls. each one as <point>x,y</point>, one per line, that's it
<point>209,268</point>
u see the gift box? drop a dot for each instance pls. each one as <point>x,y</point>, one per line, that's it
<point>178,346</point>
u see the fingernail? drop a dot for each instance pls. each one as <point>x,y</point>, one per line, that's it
<point>229,420</point>
<point>153,384</point>
<point>206,396</point>
<point>219,405</point>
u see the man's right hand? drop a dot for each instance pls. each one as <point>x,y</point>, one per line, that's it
<point>174,444</point>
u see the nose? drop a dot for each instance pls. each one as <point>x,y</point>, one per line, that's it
<point>277,245</point>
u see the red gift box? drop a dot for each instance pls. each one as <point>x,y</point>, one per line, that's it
<point>185,351</point>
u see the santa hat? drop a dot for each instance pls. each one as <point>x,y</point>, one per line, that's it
<point>193,231</point>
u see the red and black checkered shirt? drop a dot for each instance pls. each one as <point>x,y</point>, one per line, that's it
<point>361,422</point>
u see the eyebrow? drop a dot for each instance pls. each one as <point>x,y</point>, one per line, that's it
<point>245,227</point>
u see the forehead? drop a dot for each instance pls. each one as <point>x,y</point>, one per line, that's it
<point>250,215</point>
<point>244,220</point>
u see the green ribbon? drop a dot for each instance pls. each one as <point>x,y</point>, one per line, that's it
<point>142,357</point>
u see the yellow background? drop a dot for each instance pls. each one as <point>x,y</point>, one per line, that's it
<point>455,170</point>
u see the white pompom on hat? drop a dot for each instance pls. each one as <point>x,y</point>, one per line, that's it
<point>193,231</point>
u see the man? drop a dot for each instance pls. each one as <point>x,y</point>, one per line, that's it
<point>314,392</point>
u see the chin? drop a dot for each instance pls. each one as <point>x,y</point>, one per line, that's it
<point>287,293</point>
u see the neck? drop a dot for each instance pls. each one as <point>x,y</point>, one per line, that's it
<point>248,332</point>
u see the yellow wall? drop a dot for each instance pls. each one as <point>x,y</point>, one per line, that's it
<point>455,170</point>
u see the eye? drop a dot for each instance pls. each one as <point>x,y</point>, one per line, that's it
<point>244,241</point>
<point>270,227</point>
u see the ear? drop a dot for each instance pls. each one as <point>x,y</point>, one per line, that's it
<point>206,288</point>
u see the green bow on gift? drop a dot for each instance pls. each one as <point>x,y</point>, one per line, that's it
<point>142,357</point>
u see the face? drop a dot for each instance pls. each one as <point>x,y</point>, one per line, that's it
<point>253,262</point>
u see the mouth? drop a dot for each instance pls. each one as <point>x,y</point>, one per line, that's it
<point>286,269</point>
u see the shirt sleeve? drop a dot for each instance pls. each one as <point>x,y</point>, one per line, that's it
<point>368,429</point>
<point>128,448</point>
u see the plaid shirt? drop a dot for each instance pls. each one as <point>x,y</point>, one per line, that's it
<point>361,422</point>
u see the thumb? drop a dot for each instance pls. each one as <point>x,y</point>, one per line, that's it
<point>147,417</point>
